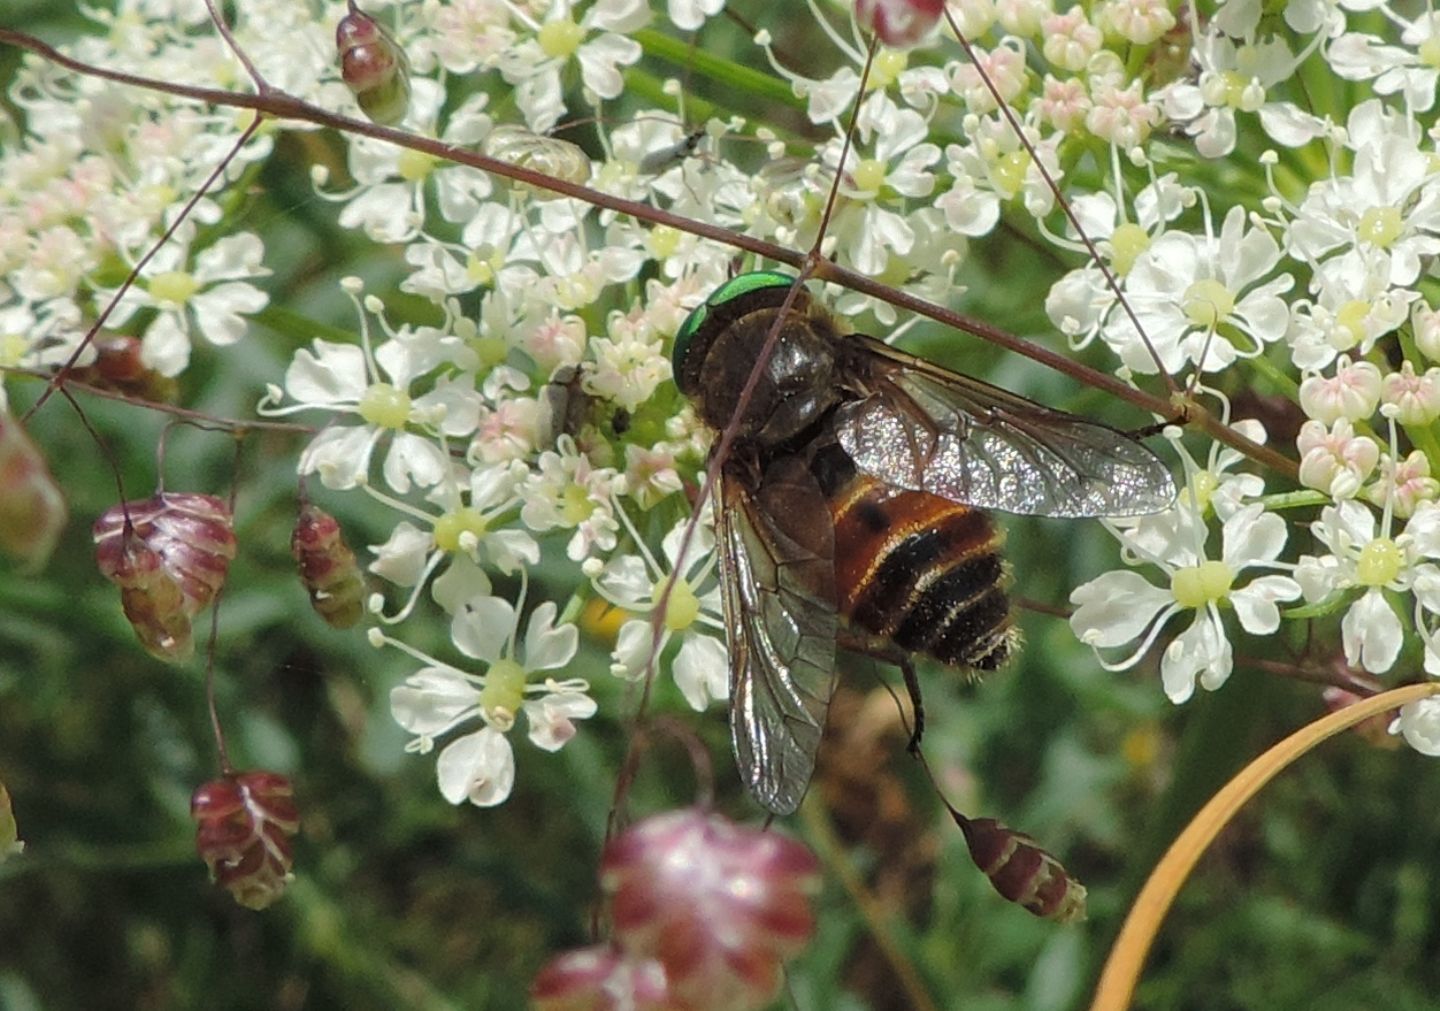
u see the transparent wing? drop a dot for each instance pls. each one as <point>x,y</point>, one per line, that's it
<point>926,428</point>
<point>777,572</point>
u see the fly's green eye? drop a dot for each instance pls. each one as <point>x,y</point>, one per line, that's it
<point>731,289</point>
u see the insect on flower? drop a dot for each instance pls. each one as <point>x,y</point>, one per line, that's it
<point>850,509</point>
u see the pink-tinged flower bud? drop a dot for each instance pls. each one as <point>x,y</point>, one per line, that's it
<point>602,978</point>
<point>1070,40</point>
<point>719,905</point>
<point>1139,22</point>
<point>899,24</point>
<point>1021,871</point>
<point>373,67</point>
<point>169,560</point>
<point>32,510</point>
<point>1411,399</point>
<point>1022,17</point>
<point>245,822</point>
<point>1335,460</point>
<point>1122,116</point>
<point>1004,66</point>
<point>328,567</point>
<point>1064,104</point>
<point>1352,393</point>
<point>10,844</point>
<point>1403,485</point>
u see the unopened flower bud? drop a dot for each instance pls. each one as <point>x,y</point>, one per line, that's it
<point>1352,393</point>
<point>717,904</point>
<point>899,23</point>
<point>327,567</point>
<point>244,825</point>
<point>1404,485</point>
<point>1022,17</point>
<point>373,67</point>
<point>32,510</point>
<point>1070,40</point>
<point>1335,460</point>
<point>1415,400</point>
<point>1426,322</point>
<point>973,18</point>
<point>1139,22</point>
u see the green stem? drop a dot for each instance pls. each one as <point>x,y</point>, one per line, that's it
<point>1285,383</point>
<point>1293,500</point>
<point>302,328</point>
<point>724,72</point>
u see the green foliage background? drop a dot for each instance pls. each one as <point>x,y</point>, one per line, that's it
<point>1326,894</point>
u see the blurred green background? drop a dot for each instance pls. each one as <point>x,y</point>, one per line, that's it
<point>1323,895</point>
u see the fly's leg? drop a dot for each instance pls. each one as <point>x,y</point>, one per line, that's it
<point>887,652</point>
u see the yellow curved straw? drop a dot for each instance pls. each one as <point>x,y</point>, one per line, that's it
<point>1127,957</point>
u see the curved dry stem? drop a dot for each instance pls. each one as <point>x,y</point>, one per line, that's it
<point>1127,957</point>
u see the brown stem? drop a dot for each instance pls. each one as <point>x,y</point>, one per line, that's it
<point>280,105</point>
<point>184,413</point>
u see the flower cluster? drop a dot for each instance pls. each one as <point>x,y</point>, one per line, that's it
<point>527,422</point>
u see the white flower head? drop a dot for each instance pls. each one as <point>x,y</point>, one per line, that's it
<point>1122,606</point>
<point>480,766</point>
<point>638,583</point>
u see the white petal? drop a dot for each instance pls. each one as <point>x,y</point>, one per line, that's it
<point>552,718</point>
<point>340,455</point>
<point>333,374</point>
<point>479,768</point>
<point>413,457</point>
<point>432,701</point>
<point>546,646</point>
<point>599,63</point>
<point>632,648</point>
<point>1255,604</point>
<point>1371,633</point>
<point>1200,651</point>
<point>401,559</point>
<point>1252,535</point>
<point>166,346</point>
<point>231,258</point>
<point>462,580</point>
<point>627,581</point>
<point>217,311</point>
<point>1419,722</point>
<point>702,670</point>
<point>481,628</point>
<point>1115,608</point>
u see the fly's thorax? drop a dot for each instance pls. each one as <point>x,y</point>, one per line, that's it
<point>795,388</point>
<point>717,347</point>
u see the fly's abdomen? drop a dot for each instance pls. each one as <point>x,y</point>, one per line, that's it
<point>923,572</point>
